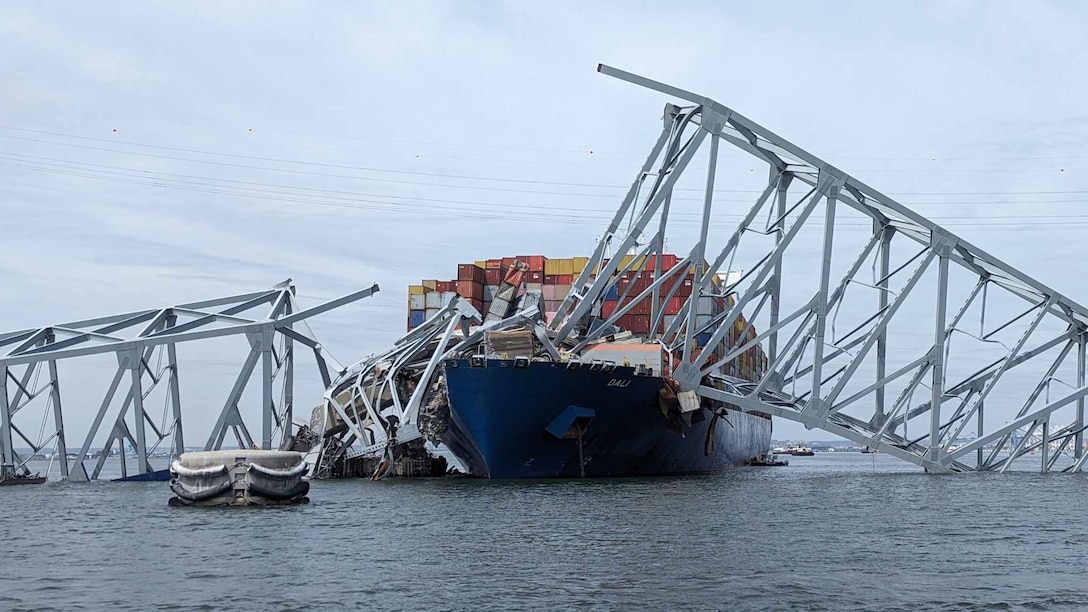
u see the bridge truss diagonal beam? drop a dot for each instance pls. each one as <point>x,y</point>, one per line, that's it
<point>144,344</point>
<point>975,347</point>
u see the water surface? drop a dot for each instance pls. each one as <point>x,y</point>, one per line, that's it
<point>836,531</point>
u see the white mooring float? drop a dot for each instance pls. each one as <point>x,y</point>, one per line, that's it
<point>239,478</point>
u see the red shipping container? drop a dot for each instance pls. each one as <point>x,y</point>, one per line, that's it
<point>624,322</point>
<point>508,262</point>
<point>564,279</point>
<point>478,304</point>
<point>535,262</point>
<point>493,276</point>
<point>551,279</point>
<point>466,272</point>
<point>642,308</point>
<point>469,289</point>
<point>441,286</point>
<point>536,277</point>
<point>686,287</point>
<point>607,308</point>
<point>494,264</point>
<point>673,306</point>
<point>639,324</point>
<point>640,285</point>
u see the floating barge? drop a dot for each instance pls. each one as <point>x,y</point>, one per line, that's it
<point>238,478</point>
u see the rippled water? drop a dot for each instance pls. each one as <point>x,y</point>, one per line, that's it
<point>830,532</point>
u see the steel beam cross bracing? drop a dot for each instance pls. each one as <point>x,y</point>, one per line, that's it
<point>882,327</point>
<point>35,424</point>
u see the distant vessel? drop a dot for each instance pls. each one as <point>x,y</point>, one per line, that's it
<point>796,450</point>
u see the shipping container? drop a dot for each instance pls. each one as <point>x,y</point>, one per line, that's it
<point>489,291</point>
<point>535,277</point>
<point>480,263</point>
<point>492,276</point>
<point>535,262</point>
<point>416,318</point>
<point>611,293</point>
<point>566,267</point>
<point>548,292</point>
<point>469,272</point>
<point>579,264</point>
<point>430,285</point>
<point>607,308</point>
<point>417,302</point>
<point>673,306</point>
<point>416,290</point>
<point>494,264</point>
<point>433,300</point>
<point>561,292</point>
<point>639,324</point>
<point>534,287</point>
<point>564,279</point>
<point>448,296</point>
<point>701,340</point>
<point>705,306</point>
<point>640,308</point>
<point>470,289</point>
<point>508,262</point>
<point>431,312</point>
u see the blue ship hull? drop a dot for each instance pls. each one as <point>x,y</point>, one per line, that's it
<point>522,422</point>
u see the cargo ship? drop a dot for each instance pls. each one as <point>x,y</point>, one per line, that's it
<point>509,409</point>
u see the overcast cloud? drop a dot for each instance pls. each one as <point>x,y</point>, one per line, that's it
<point>137,140</point>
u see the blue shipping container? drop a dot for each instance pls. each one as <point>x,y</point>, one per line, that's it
<point>611,294</point>
<point>701,340</point>
<point>416,317</point>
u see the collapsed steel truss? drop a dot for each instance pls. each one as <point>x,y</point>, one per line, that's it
<point>378,400</point>
<point>144,344</point>
<point>841,382</point>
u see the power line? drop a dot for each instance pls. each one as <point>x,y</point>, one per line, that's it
<point>469,213</point>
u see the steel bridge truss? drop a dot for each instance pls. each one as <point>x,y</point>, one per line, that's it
<point>379,399</point>
<point>144,343</point>
<point>914,377</point>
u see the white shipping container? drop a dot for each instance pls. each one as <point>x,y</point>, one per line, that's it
<point>669,320</point>
<point>489,292</point>
<point>433,300</point>
<point>549,292</point>
<point>701,320</point>
<point>417,302</point>
<point>706,305</point>
<point>447,297</point>
<point>432,312</point>
<point>561,292</point>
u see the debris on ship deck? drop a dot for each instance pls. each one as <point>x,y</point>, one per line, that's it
<point>239,478</point>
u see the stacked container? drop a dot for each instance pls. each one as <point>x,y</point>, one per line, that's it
<point>479,282</point>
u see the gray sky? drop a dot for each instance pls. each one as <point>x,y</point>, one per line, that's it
<point>381,112</point>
